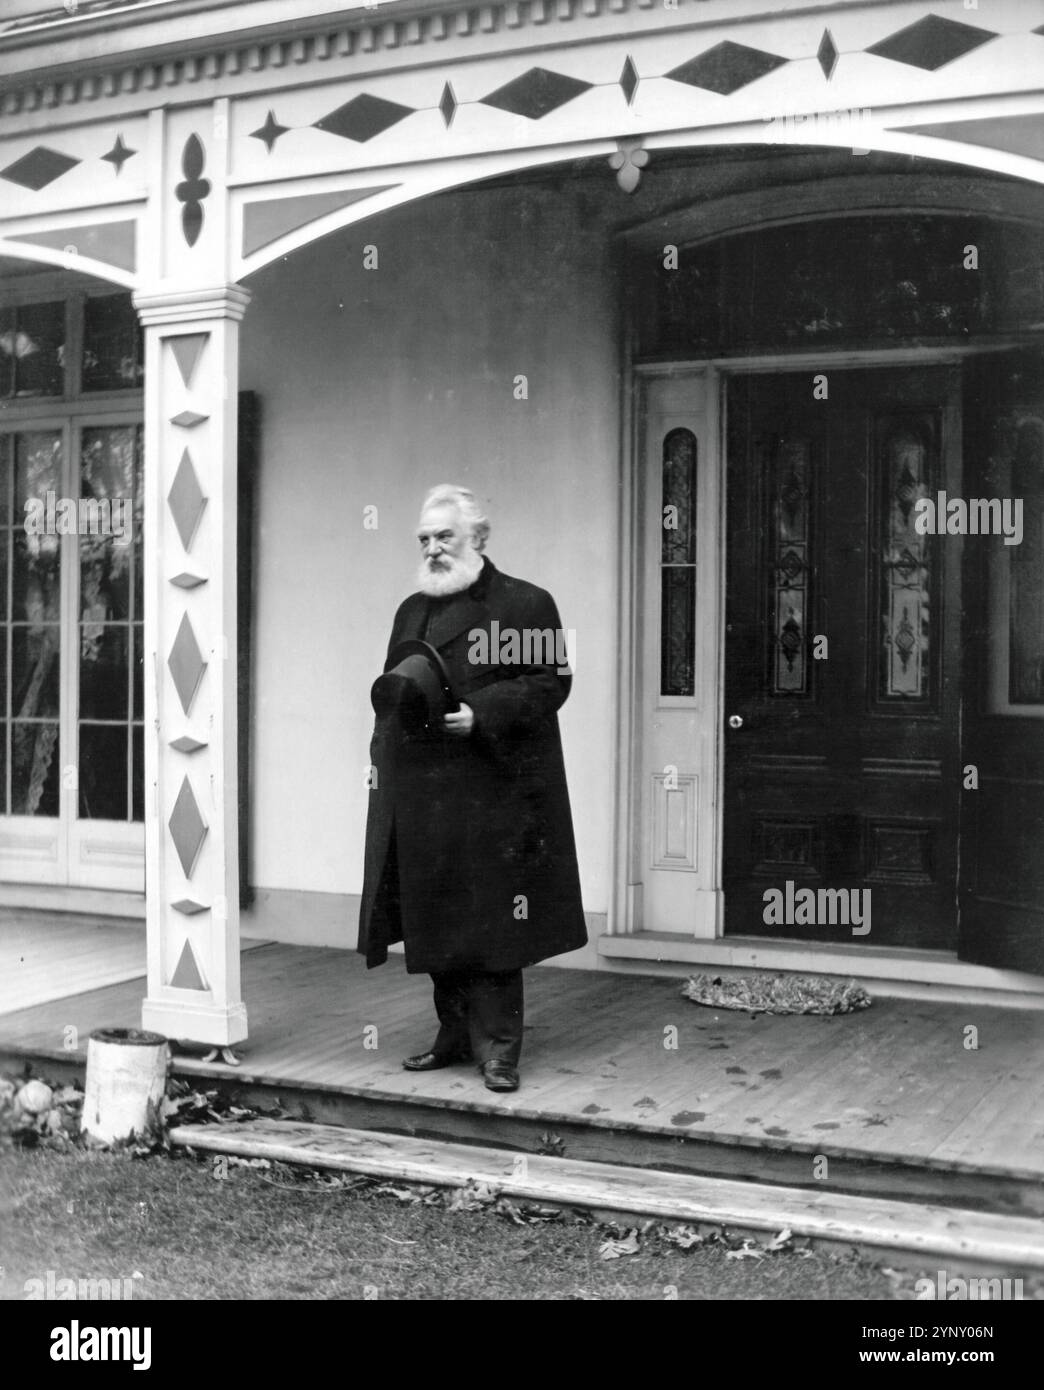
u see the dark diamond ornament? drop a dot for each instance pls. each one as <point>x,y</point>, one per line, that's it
<point>186,500</point>
<point>187,745</point>
<point>186,664</point>
<point>536,93</point>
<point>827,54</point>
<point>790,641</point>
<point>119,154</point>
<point>906,566</point>
<point>187,828</point>
<point>363,117</point>
<point>269,132</point>
<point>448,104</point>
<point>38,168</point>
<point>905,639</point>
<point>726,68</point>
<point>629,79</point>
<point>791,565</point>
<point>931,43</point>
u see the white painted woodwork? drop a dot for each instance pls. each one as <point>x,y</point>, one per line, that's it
<point>215,1014</point>
<point>676,799</point>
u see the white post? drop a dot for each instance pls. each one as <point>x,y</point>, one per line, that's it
<point>191,805</point>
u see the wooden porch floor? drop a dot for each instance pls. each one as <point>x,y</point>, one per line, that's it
<point>893,1087</point>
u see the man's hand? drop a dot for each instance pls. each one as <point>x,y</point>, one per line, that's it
<point>461,723</point>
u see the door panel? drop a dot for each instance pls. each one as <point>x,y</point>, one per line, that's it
<point>1002,891</point>
<point>842,653</point>
<point>672,875</point>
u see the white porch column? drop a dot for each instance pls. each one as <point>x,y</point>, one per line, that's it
<point>191,803</point>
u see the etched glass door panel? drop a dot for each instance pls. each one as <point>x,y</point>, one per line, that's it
<point>840,752</point>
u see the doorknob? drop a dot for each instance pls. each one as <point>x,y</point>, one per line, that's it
<point>735,721</point>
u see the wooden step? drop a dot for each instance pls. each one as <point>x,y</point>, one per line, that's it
<point>1010,1242</point>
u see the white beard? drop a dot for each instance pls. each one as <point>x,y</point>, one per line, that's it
<point>449,574</point>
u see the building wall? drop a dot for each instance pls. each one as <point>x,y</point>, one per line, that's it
<point>373,385</point>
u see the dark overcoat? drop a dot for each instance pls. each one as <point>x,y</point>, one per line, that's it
<point>470,856</point>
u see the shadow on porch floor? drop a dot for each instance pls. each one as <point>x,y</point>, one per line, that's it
<point>893,1085</point>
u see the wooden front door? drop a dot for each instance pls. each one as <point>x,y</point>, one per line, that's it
<point>1002,858</point>
<point>842,655</point>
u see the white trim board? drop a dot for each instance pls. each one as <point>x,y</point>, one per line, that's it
<point>1007,1242</point>
<point>904,974</point>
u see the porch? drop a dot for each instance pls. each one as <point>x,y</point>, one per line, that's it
<point>892,1097</point>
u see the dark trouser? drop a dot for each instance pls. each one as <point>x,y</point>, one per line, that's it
<point>480,1011</point>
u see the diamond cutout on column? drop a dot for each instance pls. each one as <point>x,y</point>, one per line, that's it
<point>187,580</point>
<point>363,117</point>
<point>726,68</point>
<point>188,419</point>
<point>188,907</point>
<point>186,500</point>
<point>187,975</point>
<point>187,828</point>
<point>535,93</point>
<point>38,168</point>
<point>827,54</point>
<point>186,664</point>
<point>185,744</point>
<point>931,43</point>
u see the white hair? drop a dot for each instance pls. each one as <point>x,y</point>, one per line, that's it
<point>466,503</point>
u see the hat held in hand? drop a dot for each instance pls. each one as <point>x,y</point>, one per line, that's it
<point>415,686</point>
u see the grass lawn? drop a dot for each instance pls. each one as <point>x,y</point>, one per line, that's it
<point>250,1235</point>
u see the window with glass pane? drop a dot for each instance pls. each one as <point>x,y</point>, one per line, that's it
<point>111,646</point>
<point>113,358</point>
<point>678,565</point>
<point>790,521</point>
<point>30,627</point>
<point>32,350</point>
<point>907,580</point>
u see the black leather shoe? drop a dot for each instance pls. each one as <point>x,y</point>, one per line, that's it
<point>499,1076</point>
<point>432,1061</point>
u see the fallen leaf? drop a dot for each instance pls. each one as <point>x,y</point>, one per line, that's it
<point>747,1251</point>
<point>780,1241</point>
<point>613,1249</point>
<point>685,1237</point>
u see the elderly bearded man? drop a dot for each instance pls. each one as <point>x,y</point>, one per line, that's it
<point>470,858</point>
